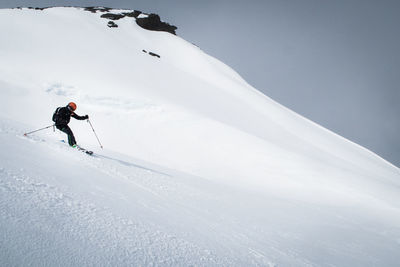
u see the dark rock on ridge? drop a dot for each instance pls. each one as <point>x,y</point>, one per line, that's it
<point>150,22</point>
<point>38,8</point>
<point>153,23</point>
<point>133,14</point>
<point>112,24</point>
<point>154,54</point>
<point>94,9</point>
<point>112,16</point>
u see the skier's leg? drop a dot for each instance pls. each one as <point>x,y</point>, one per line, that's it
<point>71,137</point>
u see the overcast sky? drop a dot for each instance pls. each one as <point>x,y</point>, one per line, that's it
<point>334,62</point>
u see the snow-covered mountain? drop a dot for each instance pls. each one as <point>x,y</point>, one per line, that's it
<point>199,168</point>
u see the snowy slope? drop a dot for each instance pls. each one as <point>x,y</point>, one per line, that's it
<point>199,167</point>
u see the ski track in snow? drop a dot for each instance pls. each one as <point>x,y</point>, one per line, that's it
<point>114,211</point>
<point>122,241</point>
<point>65,229</point>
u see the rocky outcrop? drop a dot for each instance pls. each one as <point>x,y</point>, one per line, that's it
<point>153,23</point>
<point>112,24</point>
<point>112,16</point>
<point>38,8</point>
<point>151,54</point>
<point>94,9</point>
<point>154,54</point>
<point>133,14</point>
<point>150,22</point>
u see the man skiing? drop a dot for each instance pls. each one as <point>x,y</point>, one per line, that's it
<point>62,116</point>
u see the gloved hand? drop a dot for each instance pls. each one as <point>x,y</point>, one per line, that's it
<point>86,117</point>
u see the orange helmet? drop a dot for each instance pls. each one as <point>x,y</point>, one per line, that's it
<point>72,106</point>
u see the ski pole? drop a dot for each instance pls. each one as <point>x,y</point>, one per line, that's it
<point>95,134</point>
<point>25,134</point>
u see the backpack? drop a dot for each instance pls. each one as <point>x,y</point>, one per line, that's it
<point>55,115</point>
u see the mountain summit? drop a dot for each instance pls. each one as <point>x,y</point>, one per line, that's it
<point>199,168</point>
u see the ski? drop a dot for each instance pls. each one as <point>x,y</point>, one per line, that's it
<point>84,150</point>
<point>89,152</point>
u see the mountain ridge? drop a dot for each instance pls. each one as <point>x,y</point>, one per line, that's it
<point>150,21</point>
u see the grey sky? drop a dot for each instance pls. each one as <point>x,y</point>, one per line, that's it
<point>335,62</point>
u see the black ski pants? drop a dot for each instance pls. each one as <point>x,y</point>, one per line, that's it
<point>68,131</point>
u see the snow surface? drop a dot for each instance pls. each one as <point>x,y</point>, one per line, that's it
<point>141,15</point>
<point>199,167</point>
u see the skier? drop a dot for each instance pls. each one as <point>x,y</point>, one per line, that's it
<point>62,116</point>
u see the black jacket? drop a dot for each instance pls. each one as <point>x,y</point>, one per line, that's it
<point>64,116</point>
